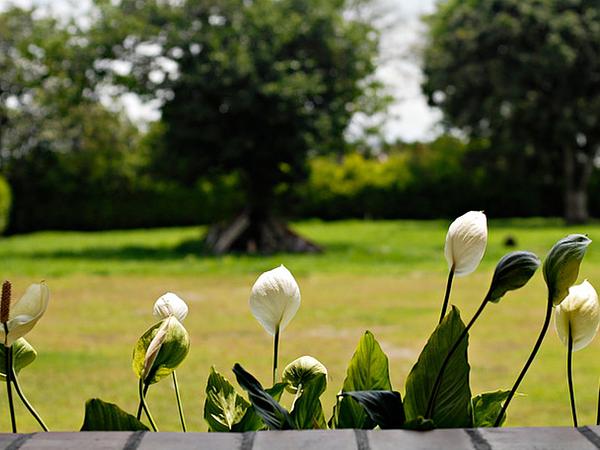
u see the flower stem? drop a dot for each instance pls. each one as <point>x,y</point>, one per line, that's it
<point>144,406</point>
<point>598,408</point>
<point>30,408</point>
<point>139,411</point>
<point>275,354</point>
<point>536,347</point>
<point>447,294</point>
<point>570,376</point>
<point>438,380</point>
<point>179,405</point>
<point>11,406</point>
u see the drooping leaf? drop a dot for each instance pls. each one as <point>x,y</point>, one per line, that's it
<point>224,409</point>
<point>271,412</point>
<point>23,355</point>
<point>307,412</point>
<point>383,407</point>
<point>103,416</point>
<point>487,407</point>
<point>173,349</point>
<point>367,371</point>
<point>452,407</point>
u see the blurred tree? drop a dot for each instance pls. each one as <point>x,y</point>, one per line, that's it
<point>56,138</point>
<point>251,87</point>
<point>526,76</point>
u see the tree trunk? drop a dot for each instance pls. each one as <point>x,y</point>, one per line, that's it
<point>252,232</point>
<point>578,169</point>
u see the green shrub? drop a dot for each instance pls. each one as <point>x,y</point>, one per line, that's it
<point>5,202</point>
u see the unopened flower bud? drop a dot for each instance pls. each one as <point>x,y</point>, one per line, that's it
<point>579,311</point>
<point>512,272</point>
<point>466,242</point>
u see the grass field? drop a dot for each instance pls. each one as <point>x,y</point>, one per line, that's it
<point>387,277</point>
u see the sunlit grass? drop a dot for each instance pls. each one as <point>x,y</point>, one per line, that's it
<point>387,277</point>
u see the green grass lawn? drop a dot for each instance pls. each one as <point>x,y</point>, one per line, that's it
<point>387,277</point>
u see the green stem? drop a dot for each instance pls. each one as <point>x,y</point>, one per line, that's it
<point>447,294</point>
<point>570,376</point>
<point>179,405</point>
<point>8,366</point>
<point>438,380</point>
<point>139,411</point>
<point>275,354</point>
<point>536,347</point>
<point>30,408</point>
<point>598,407</point>
<point>144,406</point>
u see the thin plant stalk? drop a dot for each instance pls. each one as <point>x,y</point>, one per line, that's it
<point>275,353</point>
<point>30,408</point>
<point>144,406</point>
<point>447,294</point>
<point>536,347</point>
<point>438,380</point>
<point>139,411</point>
<point>179,405</point>
<point>598,408</point>
<point>570,377</point>
<point>9,366</point>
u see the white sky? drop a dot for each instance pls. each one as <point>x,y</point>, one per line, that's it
<point>410,118</point>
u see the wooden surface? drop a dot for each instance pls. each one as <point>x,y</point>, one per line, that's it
<point>584,438</point>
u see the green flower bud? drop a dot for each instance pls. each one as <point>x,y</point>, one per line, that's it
<point>512,272</point>
<point>302,372</point>
<point>160,350</point>
<point>561,267</point>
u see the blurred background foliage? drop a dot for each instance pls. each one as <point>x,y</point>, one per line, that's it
<point>255,104</point>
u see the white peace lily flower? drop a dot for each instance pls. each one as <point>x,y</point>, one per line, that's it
<point>275,299</point>
<point>170,305</point>
<point>25,313</point>
<point>581,310</point>
<point>466,242</point>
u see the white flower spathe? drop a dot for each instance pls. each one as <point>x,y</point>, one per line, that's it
<point>25,313</point>
<point>580,309</point>
<point>170,304</point>
<point>466,242</point>
<point>275,299</point>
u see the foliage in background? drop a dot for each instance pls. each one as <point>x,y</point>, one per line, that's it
<point>523,74</point>
<point>5,203</point>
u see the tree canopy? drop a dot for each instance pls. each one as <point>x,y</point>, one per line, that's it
<point>526,76</point>
<point>248,87</point>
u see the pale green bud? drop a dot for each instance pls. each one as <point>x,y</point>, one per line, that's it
<point>160,350</point>
<point>561,267</point>
<point>302,372</point>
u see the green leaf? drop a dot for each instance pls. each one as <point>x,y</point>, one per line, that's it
<point>277,390</point>
<point>224,409</point>
<point>171,352</point>
<point>271,412</point>
<point>452,407</point>
<point>23,355</point>
<point>367,371</point>
<point>487,407</point>
<point>419,424</point>
<point>383,407</point>
<point>307,412</point>
<point>103,416</point>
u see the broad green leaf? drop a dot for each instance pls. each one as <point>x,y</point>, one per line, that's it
<point>171,351</point>
<point>224,409</point>
<point>277,390</point>
<point>367,371</point>
<point>383,407</point>
<point>487,407</point>
<point>419,424</point>
<point>103,416</point>
<point>23,355</point>
<point>270,411</point>
<point>251,420</point>
<point>307,412</point>
<point>453,401</point>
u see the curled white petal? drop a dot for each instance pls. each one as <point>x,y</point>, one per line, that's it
<point>275,299</point>
<point>466,242</point>
<point>154,347</point>
<point>581,310</point>
<point>25,313</point>
<point>170,304</point>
